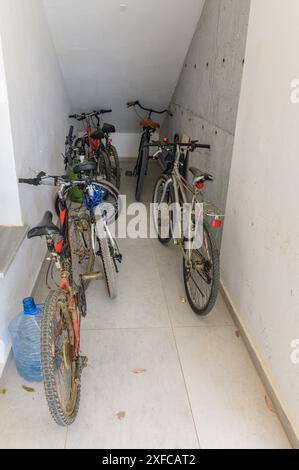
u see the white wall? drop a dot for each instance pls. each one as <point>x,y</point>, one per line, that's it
<point>109,56</point>
<point>260,252</point>
<point>10,209</point>
<point>38,109</point>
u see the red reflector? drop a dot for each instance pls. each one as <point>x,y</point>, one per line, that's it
<point>110,141</point>
<point>217,223</point>
<point>59,246</point>
<point>165,139</point>
<point>200,185</point>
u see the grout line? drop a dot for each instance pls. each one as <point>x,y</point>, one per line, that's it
<point>128,328</point>
<point>177,350</point>
<point>159,327</point>
<point>66,436</point>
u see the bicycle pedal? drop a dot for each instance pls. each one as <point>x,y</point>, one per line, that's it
<point>119,258</point>
<point>82,362</point>
<point>92,276</point>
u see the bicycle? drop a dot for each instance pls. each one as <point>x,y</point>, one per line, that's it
<point>91,145</point>
<point>149,127</point>
<point>72,247</point>
<point>186,224</point>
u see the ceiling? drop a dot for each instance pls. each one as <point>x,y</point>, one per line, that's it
<point>112,51</point>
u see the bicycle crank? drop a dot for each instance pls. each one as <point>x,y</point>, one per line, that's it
<point>92,276</point>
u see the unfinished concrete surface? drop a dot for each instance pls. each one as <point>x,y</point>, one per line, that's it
<point>205,102</point>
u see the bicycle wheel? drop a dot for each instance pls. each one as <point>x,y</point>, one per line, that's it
<point>103,166</point>
<point>201,274</point>
<point>81,247</point>
<point>142,166</point>
<point>109,267</point>
<point>111,205</point>
<point>115,166</point>
<point>163,216</point>
<point>61,372</point>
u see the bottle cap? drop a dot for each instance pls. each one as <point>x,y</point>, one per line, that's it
<point>30,307</point>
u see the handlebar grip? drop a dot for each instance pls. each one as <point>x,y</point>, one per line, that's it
<point>73,116</point>
<point>32,181</point>
<point>70,136</point>
<point>132,103</point>
<point>201,146</point>
<point>105,111</point>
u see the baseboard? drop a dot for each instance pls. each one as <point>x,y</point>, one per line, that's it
<point>6,365</point>
<point>286,423</point>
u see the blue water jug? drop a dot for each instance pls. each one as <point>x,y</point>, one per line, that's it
<point>25,333</point>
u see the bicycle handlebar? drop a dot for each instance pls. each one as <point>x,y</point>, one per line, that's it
<point>193,145</point>
<point>130,104</point>
<point>82,116</point>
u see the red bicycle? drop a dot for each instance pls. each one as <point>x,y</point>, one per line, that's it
<point>90,145</point>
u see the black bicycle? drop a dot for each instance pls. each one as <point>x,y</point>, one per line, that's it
<point>148,128</point>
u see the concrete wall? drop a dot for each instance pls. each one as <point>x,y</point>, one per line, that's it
<point>206,98</point>
<point>38,110</point>
<point>260,254</point>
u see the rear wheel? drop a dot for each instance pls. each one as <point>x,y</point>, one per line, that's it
<point>61,372</point>
<point>201,274</point>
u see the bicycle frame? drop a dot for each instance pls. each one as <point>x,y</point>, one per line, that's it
<point>180,185</point>
<point>94,144</point>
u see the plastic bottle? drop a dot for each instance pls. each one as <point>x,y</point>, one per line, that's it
<point>25,333</point>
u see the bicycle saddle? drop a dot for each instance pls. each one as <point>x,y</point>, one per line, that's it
<point>149,123</point>
<point>108,128</point>
<point>85,167</point>
<point>198,174</point>
<point>98,134</point>
<point>45,227</point>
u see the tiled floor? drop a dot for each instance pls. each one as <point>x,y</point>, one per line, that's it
<point>198,387</point>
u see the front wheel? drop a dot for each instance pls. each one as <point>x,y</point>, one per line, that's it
<point>109,267</point>
<point>141,170</point>
<point>163,216</point>
<point>61,372</point>
<point>201,274</point>
<point>103,166</point>
<point>115,166</point>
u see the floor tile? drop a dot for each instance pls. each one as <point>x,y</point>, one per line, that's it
<point>140,302</point>
<point>170,265</point>
<point>153,404</point>
<point>226,394</point>
<point>25,421</point>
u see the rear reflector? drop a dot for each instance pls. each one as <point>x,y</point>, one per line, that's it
<point>217,223</point>
<point>110,141</point>
<point>200,185</point>
<point>165,139</point>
